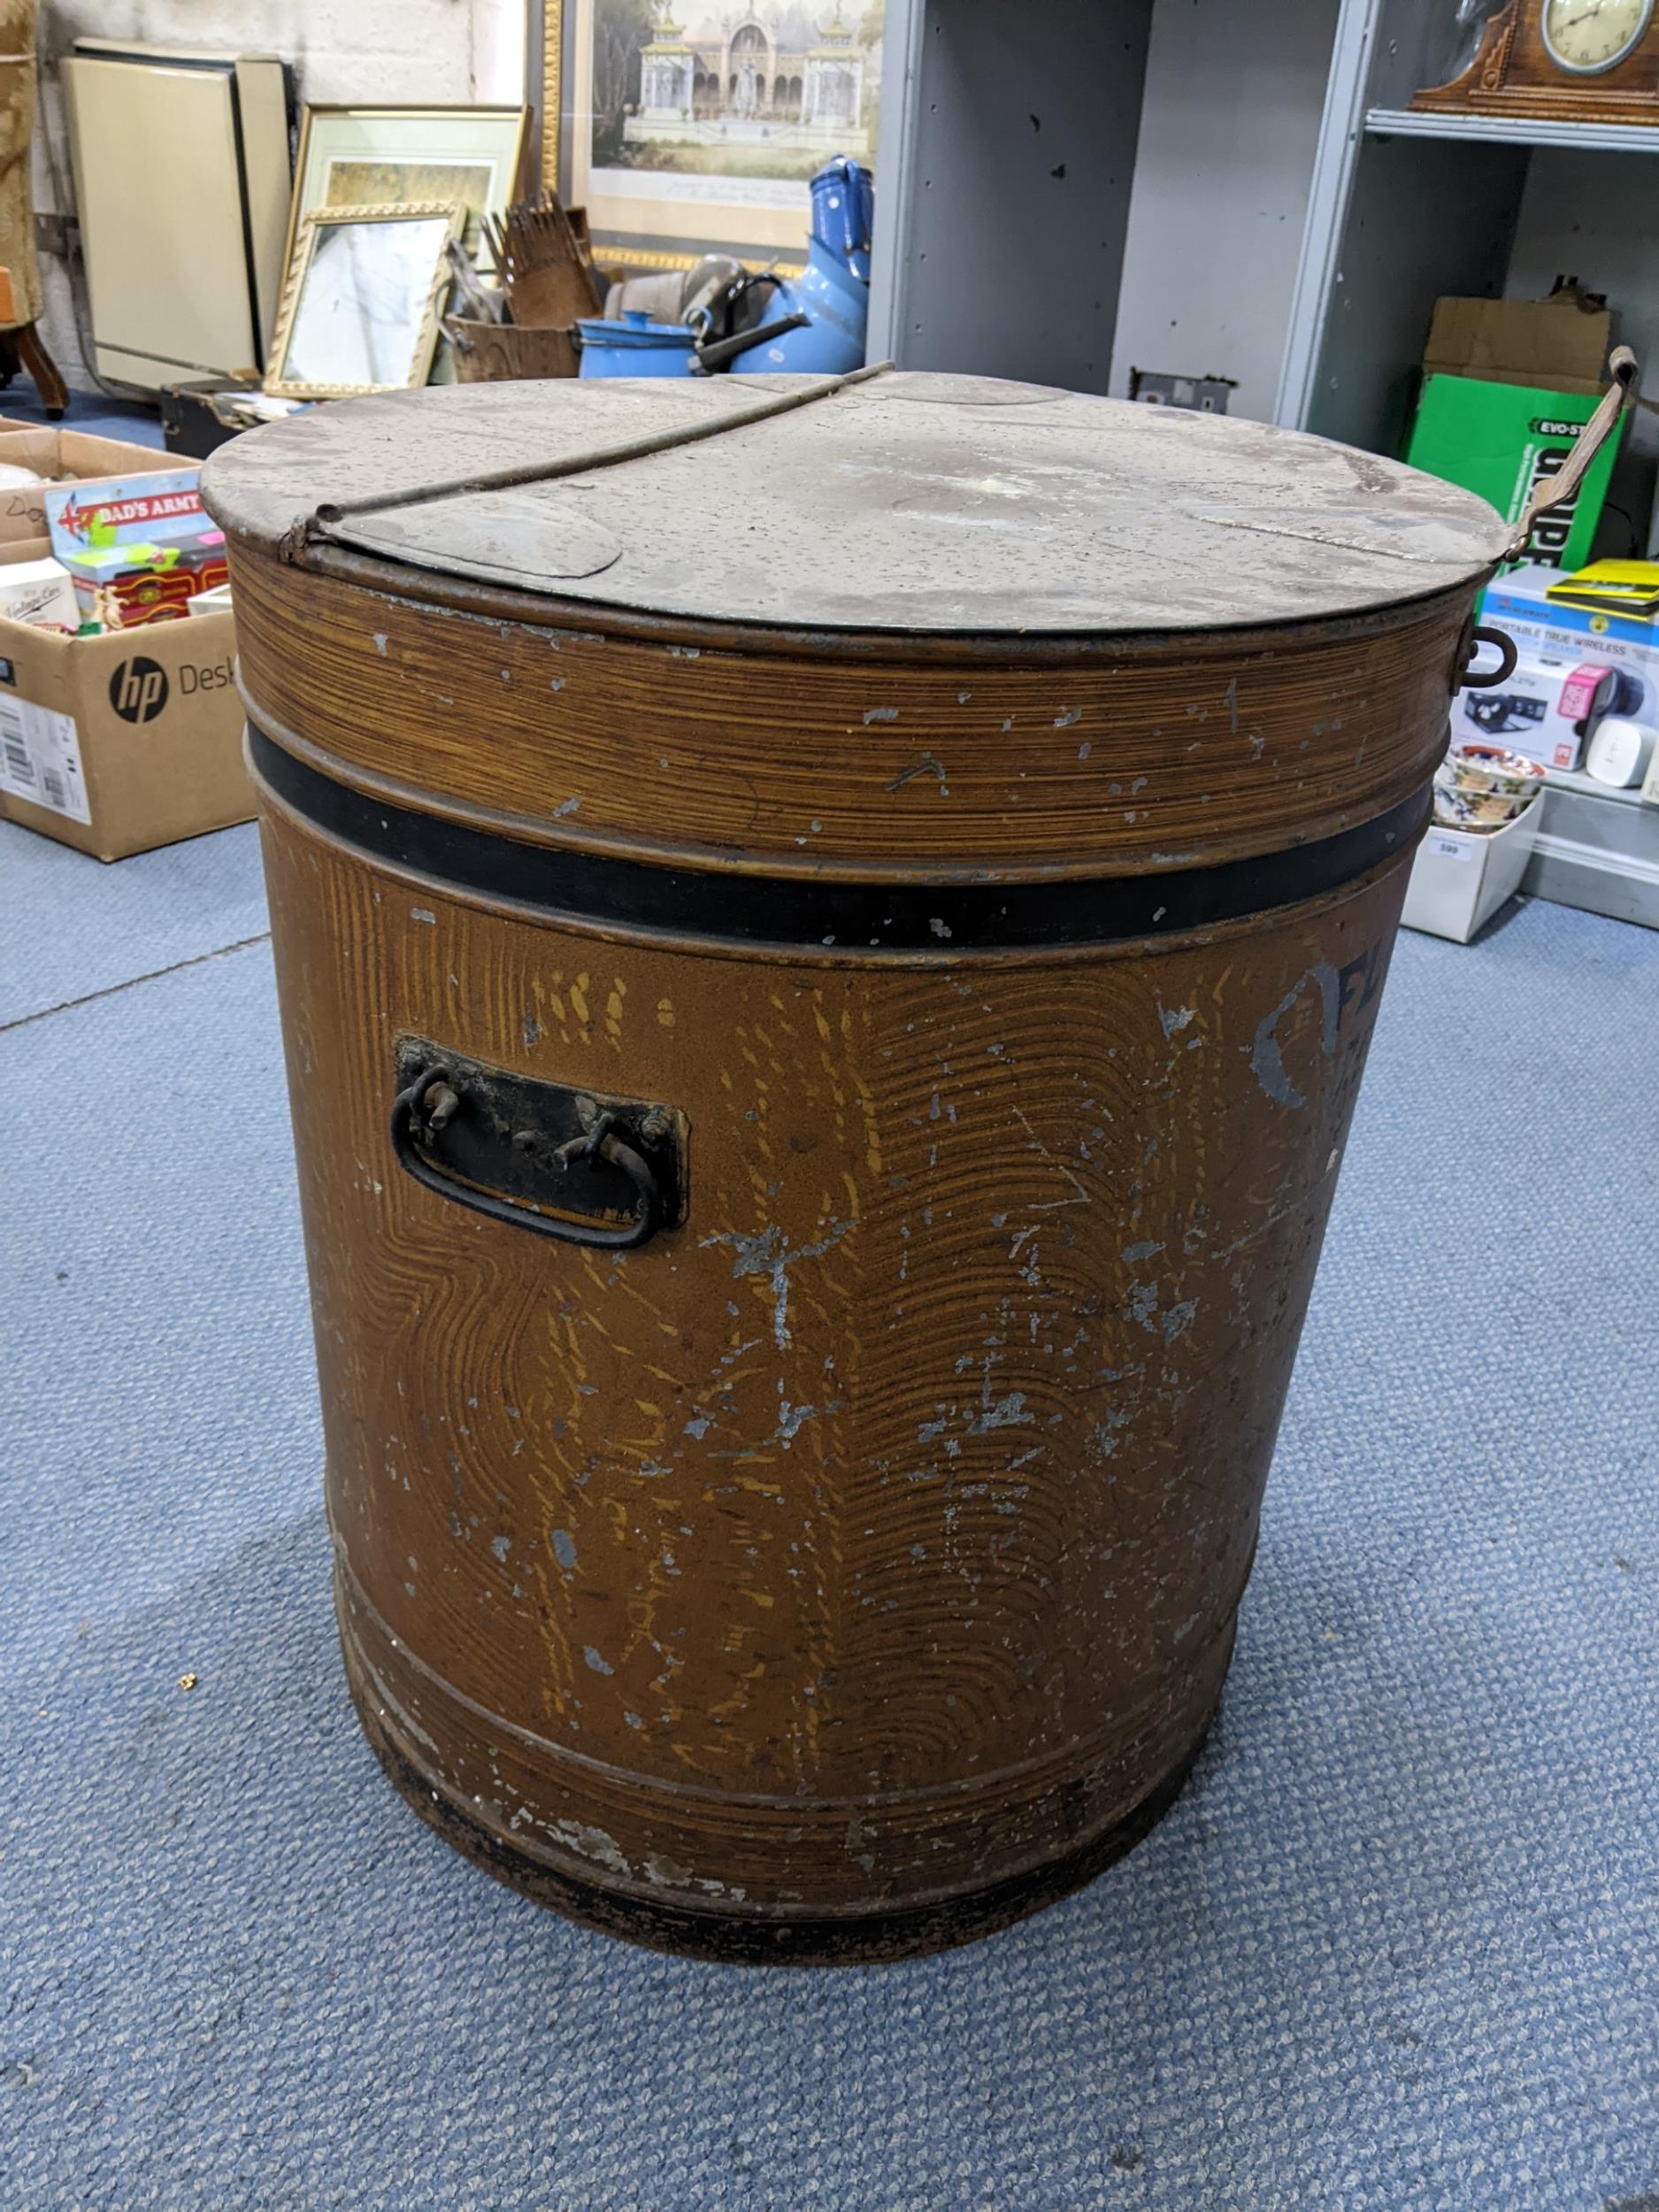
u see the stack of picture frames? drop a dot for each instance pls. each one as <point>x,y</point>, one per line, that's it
<point>671,129</point>
<point>379,194</point>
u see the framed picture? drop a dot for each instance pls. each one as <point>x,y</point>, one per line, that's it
<point>359,312</point>
<point>686,128</point>
<point>385,156</point>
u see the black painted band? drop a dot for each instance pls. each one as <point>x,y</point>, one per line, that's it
<point>808,910</point>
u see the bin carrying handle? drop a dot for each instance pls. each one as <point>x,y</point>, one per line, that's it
<point>439,1094</point>
<point>1555,491</point>
<point>1503,645</point>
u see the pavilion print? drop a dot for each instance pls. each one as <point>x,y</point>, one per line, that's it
<point>764,92</point>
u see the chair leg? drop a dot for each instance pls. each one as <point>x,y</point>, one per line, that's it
<point>54,392</point>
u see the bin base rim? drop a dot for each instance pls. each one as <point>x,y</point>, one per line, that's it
<point>729,1940</point>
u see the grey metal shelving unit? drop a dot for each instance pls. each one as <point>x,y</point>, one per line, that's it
<point>1069,185</point>
<point>1066,187</point>
<point>1405,206</point>
<point>1006,161</point>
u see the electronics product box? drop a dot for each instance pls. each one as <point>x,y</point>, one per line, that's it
<point>1461,878</point>
<point>1501,439</point>
<point>61,456</point>
<point>1572,662</point>
<point>117,743</point>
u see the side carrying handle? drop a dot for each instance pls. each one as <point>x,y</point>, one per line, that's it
<point>1555,491</point>
<point>515,1150</point>
<point>1506,651</point>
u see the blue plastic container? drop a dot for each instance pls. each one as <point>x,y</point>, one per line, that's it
<point>833,341</point>
<point>636,346</point>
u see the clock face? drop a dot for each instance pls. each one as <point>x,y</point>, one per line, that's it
<point>1586,36</point>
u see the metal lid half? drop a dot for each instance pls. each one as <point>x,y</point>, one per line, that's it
<point>889,500</point>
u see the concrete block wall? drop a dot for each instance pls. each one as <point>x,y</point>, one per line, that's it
<point>422,51</point>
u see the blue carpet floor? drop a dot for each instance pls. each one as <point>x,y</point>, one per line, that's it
<point>100,416</point>
<point>1398,1946</point>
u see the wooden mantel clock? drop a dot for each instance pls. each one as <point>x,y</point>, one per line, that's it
<point>1565,61</point>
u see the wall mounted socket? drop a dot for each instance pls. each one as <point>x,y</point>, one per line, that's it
<point>1203,394</point>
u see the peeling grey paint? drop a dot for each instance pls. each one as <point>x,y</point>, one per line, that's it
<point>1007,1413</point>
<point>1266,1061</point>
<point>586,1843</point>
<point>768,1253</point>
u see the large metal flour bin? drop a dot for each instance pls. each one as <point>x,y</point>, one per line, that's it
<point>828,940</point>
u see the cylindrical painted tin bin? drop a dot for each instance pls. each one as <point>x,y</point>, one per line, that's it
<point>827,939</point>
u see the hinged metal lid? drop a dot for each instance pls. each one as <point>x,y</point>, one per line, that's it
<point>888,502</point>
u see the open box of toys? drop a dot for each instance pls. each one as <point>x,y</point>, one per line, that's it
<point>120,723</point>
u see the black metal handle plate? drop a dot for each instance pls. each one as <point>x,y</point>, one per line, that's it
<point>550,1157</point>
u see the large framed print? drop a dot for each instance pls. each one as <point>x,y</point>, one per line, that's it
<point>383,156</point>
<point>686,128</point>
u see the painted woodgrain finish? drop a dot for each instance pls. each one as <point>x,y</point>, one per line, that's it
<point>876,1536</point>
<point>1112,755</point>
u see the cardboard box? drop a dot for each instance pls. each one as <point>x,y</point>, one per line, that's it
<point>1499,440</point>
<point>62,456</point>
<point>1559,646</point>
<point>1556,344</point>
<point>1461,878</point>
<point>117,744</point>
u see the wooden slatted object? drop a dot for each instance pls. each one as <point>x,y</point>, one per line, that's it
<point>827,937</point>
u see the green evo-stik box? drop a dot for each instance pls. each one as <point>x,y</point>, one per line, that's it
<point>1498,440</point>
